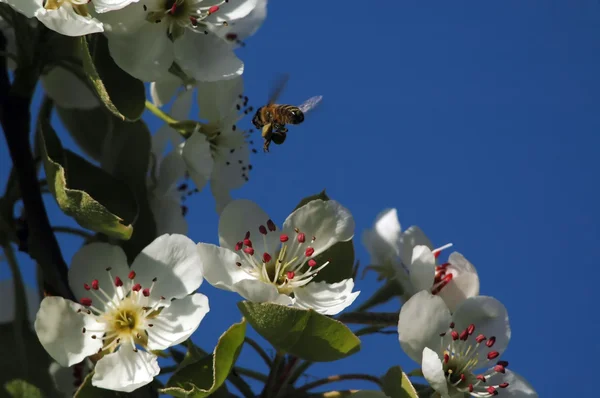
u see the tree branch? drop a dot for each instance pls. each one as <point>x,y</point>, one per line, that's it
<point>335,378</point>
<point>15,119</point>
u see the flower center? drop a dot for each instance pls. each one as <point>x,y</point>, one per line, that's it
<point>443,274</point>
<point>181,14</point>
<point>126,315</point>
<point>288,267</point>
<point>78,5</point>
<point>461,357</point>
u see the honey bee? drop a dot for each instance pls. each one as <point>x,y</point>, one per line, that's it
<point>272,118</point>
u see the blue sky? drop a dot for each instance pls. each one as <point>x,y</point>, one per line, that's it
<point>476,120</point>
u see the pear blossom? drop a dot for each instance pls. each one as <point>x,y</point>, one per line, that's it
<point>68,380</point>
<point>410,258</point>
<point>460,353</point>
<point>67,17</point>
<point>263,263</point>
<point>123,313</point>
<point>145,38</point>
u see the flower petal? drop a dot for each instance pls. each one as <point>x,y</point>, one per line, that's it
<point>171,171</point>
<point>168,215</point>
<point>258,291</point>
<point>464,284</point>
<point>242,216</point>
<point>412,237</point>
<point>221,194</point>
<point>207,58</point>
<point>59,328</point>
<point>146,54</point>
<point>217,100</point>
<point>66,21</point>
<point>67,90</point>
<point>422,268</point>
<point>163,90</point>
<point>247,23</point>
<point>25,7</point>
<point>174,261</point>
<point>422,319</point>
<point>325,298</point>
<point>198,159</point>
<point>125,370</point>
<point>490,319</point>
<point>328,221</point>
<point>383,240</point>
<point>111,5</point>
<point>231,165</point>
<point>177,322</point>
<point>220,269</point>
<point>518,387</point>
<point>182,106</point>
<point>433,371</point>
<point>7,301</point>
<point>90,262</point>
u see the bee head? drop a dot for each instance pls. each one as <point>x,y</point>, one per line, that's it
<point>256,120</point>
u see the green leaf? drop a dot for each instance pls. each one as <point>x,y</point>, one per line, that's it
<point>202,377</point>
<point>397,385</point>
<point>303,333</point>
<point>129,150</point>
<point>384,294</point>
<point>340,255</point>
<point>88,128</point>
<point>95,199</point>
<point>121,93</point>
<point>21,389</point>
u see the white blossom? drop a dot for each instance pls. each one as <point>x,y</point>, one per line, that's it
<point>411,259</point>
<point>68,380</point>
<point>145,38</point>
<point>265,264</point>
<point>67,17</point>
<point>151,305</point>
<point>459,353</point>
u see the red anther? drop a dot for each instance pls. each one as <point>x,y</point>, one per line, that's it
<point>503,363</point>
<point>262,229</point>
<point>247,236</point>
<point>437,254</point>
<point>464,335</point>
<point>131,275</point>
<point>213,9</point>
<point>271,225</point>
<point>470,387</point>
<point>248,242</point>
<point>499,369</point>
<point>471,329</point>
<point>493,355</point>
<point>454,335</point>
<point>137,287</point>
<point>249,250</point>
<point>95,284</point>
<point>118,282</point>
<point>442,334</point>
<point>301,237</point>
<point>463,377</point>
<point>86,301</point>
<point>481,378</point>
<point>451,325</point>
<point>283,238</point>
<point>238,264</point>
<point>290,274</point>
<point>309,251</point>
<point>480,338</point>
<point>446,358</point>
<point>194,21</point>
<point>231,36</point>
<point>239,245</point>
<point>173,8</point>
<point>492,390</point>
<point>491,341</point>
<point>146,292</point>
<point>266,257</point>
<point>503,385</point>
<point>448,278</point>
<point>312,263</point>
<point>86,286</point>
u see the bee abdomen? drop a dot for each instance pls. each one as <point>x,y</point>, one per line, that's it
<point>292,114</point>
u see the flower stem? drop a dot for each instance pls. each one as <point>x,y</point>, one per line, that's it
<point>251,374</point>
<point>159,113</point>
<point>370,318</point>
<point>259,350</point>
<point>73,231</point>
<point>332,379</point>
<point>299,371</point>
<point>271,381</point>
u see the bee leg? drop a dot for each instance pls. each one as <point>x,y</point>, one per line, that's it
<point>266,145</point>
<point>267,132</point>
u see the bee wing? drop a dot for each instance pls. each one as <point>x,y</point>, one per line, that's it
<point>310,103</point>
<point>278,87</point>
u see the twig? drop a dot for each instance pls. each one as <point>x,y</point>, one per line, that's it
<point>370,318</point>
<point>156,111</point>
<point>277,361</point>
<point>259,350</point>
<point>299,371</point>
<point>15,118</point>
<point>73,231</point>
<point>336,378</point>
